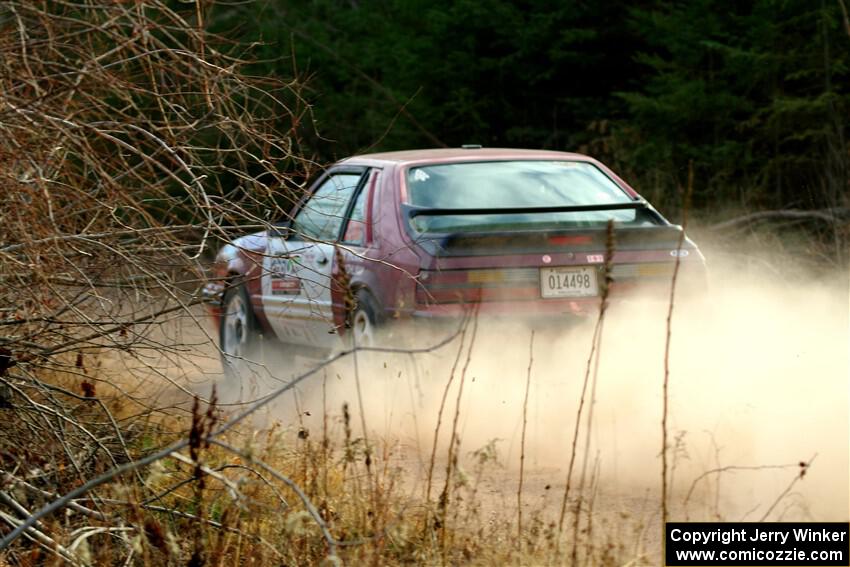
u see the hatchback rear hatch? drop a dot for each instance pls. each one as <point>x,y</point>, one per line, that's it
<point>534,230</point>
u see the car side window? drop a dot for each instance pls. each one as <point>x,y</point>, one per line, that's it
<point>355,229</point>
<point>322,215</point>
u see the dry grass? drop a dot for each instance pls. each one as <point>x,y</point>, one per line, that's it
<point>246,498</point>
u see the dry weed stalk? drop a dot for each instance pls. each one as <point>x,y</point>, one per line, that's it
<point>522,441</point>
<point>454,438</point>
<point>665,489</point>
<point>433,457</point>
<point>592,365</point>
<point>595,355</point>
<point>737,468</point>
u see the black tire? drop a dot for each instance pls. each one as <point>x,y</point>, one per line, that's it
<point>365,319</point>
<point>240,335</point>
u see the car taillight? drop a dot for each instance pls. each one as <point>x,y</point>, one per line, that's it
<point>467,286</point>
<point>570,239</point>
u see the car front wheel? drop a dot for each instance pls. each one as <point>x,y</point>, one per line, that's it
<point>239,333</point>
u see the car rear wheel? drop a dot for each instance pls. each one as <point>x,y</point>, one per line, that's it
<point>240,337</point>
<point>364,319</point>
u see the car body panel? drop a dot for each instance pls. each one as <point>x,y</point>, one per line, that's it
<point>295,285</point>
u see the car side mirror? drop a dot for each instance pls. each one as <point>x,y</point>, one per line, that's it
<point>282,229</point>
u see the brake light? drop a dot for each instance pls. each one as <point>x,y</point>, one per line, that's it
<point>569,240</point>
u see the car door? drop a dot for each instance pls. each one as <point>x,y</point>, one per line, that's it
<point>356,237</point>
<point>298,266</point>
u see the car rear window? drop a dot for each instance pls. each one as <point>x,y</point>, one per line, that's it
<point>515,184</point>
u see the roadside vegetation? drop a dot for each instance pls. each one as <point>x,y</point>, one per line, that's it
<point>137,136</point>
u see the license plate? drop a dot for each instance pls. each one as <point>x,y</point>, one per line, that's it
<point>569,281</point>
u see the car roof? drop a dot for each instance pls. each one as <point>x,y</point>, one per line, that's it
<point>461,154</point>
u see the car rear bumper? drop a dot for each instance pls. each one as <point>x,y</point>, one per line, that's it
<point>622,292</point>
<point>544,309</point>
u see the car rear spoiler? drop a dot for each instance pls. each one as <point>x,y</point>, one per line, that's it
<point>474,243</point>
<point>412,211</point>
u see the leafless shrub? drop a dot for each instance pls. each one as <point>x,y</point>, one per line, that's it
<point>130,140</point>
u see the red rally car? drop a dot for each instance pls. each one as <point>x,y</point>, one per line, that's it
<point>424,234</point>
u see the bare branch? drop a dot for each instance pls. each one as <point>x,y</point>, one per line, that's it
<point>833,215</point>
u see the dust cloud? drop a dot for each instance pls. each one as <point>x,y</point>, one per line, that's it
<point>758,384</point>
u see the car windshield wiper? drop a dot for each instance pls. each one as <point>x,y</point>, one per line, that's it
<point>412,211</point>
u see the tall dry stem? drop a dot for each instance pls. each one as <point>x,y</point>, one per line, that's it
<point>595,358</point>
<point>667,340</point>
<point>594,341</point>
<point>522,441</point>
<point>454,439</point>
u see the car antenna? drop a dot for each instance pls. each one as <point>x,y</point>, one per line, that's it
<point>471,146</point>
